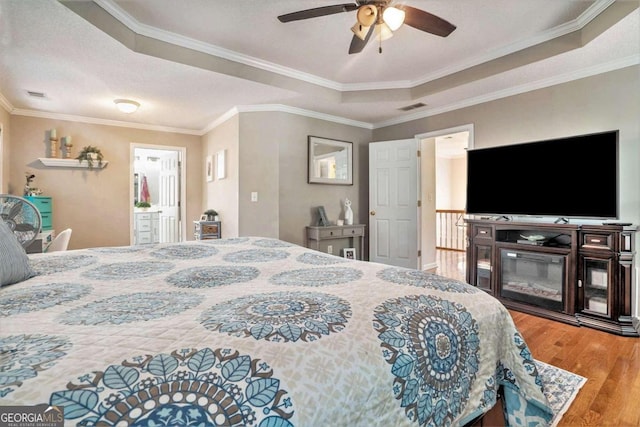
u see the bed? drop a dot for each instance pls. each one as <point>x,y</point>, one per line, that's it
<point>260,332</point>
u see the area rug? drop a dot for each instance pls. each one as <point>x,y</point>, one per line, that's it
<point>561,388</point>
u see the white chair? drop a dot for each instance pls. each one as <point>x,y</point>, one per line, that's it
<point>61,241</point>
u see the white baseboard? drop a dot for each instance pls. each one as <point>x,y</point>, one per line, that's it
<point>430,266</point>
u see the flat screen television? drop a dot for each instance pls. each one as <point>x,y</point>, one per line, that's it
<point>573,177</point>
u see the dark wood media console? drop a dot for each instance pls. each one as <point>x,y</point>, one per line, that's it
<point>577,274</point>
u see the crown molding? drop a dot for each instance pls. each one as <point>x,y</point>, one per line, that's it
<point>540,84</point>
<point>517,90</point>
<point>567,28</point>
<point>281,108</point>
<point>187,42</point>
<point>4,103</point>
<point>97,121</point>
<point>169,37</point>
<point>303,112</point>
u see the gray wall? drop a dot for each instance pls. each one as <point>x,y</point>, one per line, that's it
<point>222,194</point>
<point>273,149</point>
<point>604,102</point>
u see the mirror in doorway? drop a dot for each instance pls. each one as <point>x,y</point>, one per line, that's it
<point>330,161</point>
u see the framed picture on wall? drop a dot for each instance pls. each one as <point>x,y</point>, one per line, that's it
<point>209,168</point>
<point>221,171</point>
<point>349,253</point>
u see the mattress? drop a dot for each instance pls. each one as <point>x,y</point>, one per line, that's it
<point>260,332</point>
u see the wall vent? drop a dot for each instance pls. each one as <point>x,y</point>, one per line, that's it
<point>413,106</point>
<point>36,94</point>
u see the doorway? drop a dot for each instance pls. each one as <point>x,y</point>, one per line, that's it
<point>156,189</point>
<point>443,195</point>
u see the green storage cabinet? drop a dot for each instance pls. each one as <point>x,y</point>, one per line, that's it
<point>45,206</point>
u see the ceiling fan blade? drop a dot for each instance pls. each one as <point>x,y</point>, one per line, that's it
<point>425,21</point>
<point>318,11</point>
<point>358,44</point>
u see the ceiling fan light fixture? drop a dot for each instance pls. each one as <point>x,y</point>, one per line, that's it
<point>393,17</point>
<point>367,15</point>
<point>360,30</point>
<point>126,105</point>
<point>383,32</point>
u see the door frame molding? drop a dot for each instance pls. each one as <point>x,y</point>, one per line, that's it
<point>182,154</point>
<point>2,157</point>
<point>447,131</point>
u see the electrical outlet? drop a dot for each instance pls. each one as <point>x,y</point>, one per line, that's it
<point>330,249</point>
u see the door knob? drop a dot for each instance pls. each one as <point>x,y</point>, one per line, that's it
<point>372,213</point>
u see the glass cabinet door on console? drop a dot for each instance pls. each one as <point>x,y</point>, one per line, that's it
<point>482,259</point>
<point>595,283</point>
<point>480,262</point>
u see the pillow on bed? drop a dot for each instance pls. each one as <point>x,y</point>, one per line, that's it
<point>14,263</point>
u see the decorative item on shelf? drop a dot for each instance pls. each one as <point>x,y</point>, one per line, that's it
<point>66,143</point>
<point>212,215</point>
<point>348,213</point>
<point>322,214</point>
<point>53,138</point>
<point>28,189</point>
<point>90,154</point>
<point>143,206</point>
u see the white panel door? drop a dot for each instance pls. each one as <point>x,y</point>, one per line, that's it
<point>393,203</point>
<point>169,197</point>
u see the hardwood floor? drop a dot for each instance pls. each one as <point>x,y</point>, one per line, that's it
<point>611,363</point>
<point>451,264</point>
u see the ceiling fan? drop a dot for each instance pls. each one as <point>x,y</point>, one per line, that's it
<point>377,16</point>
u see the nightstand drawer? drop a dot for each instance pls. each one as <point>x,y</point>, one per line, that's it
<point>335,232</point>
<point>144,226</point>
<point>44,204</point>
<point>209,229</point>
<point>352,231</point>
<point>144,237</point>
<point>47,220</point>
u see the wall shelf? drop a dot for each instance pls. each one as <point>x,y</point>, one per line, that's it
<point>70,163</point>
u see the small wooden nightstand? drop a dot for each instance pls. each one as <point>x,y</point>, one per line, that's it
<point>207,230</point>
<point>316,234</point>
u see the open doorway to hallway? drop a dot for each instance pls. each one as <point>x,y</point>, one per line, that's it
<point>444,193</point>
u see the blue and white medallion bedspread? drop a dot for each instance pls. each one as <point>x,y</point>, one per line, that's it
<point>258,332</point>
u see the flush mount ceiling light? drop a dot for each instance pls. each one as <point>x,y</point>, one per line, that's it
<point>126,105</point>
<point>379,17</point>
